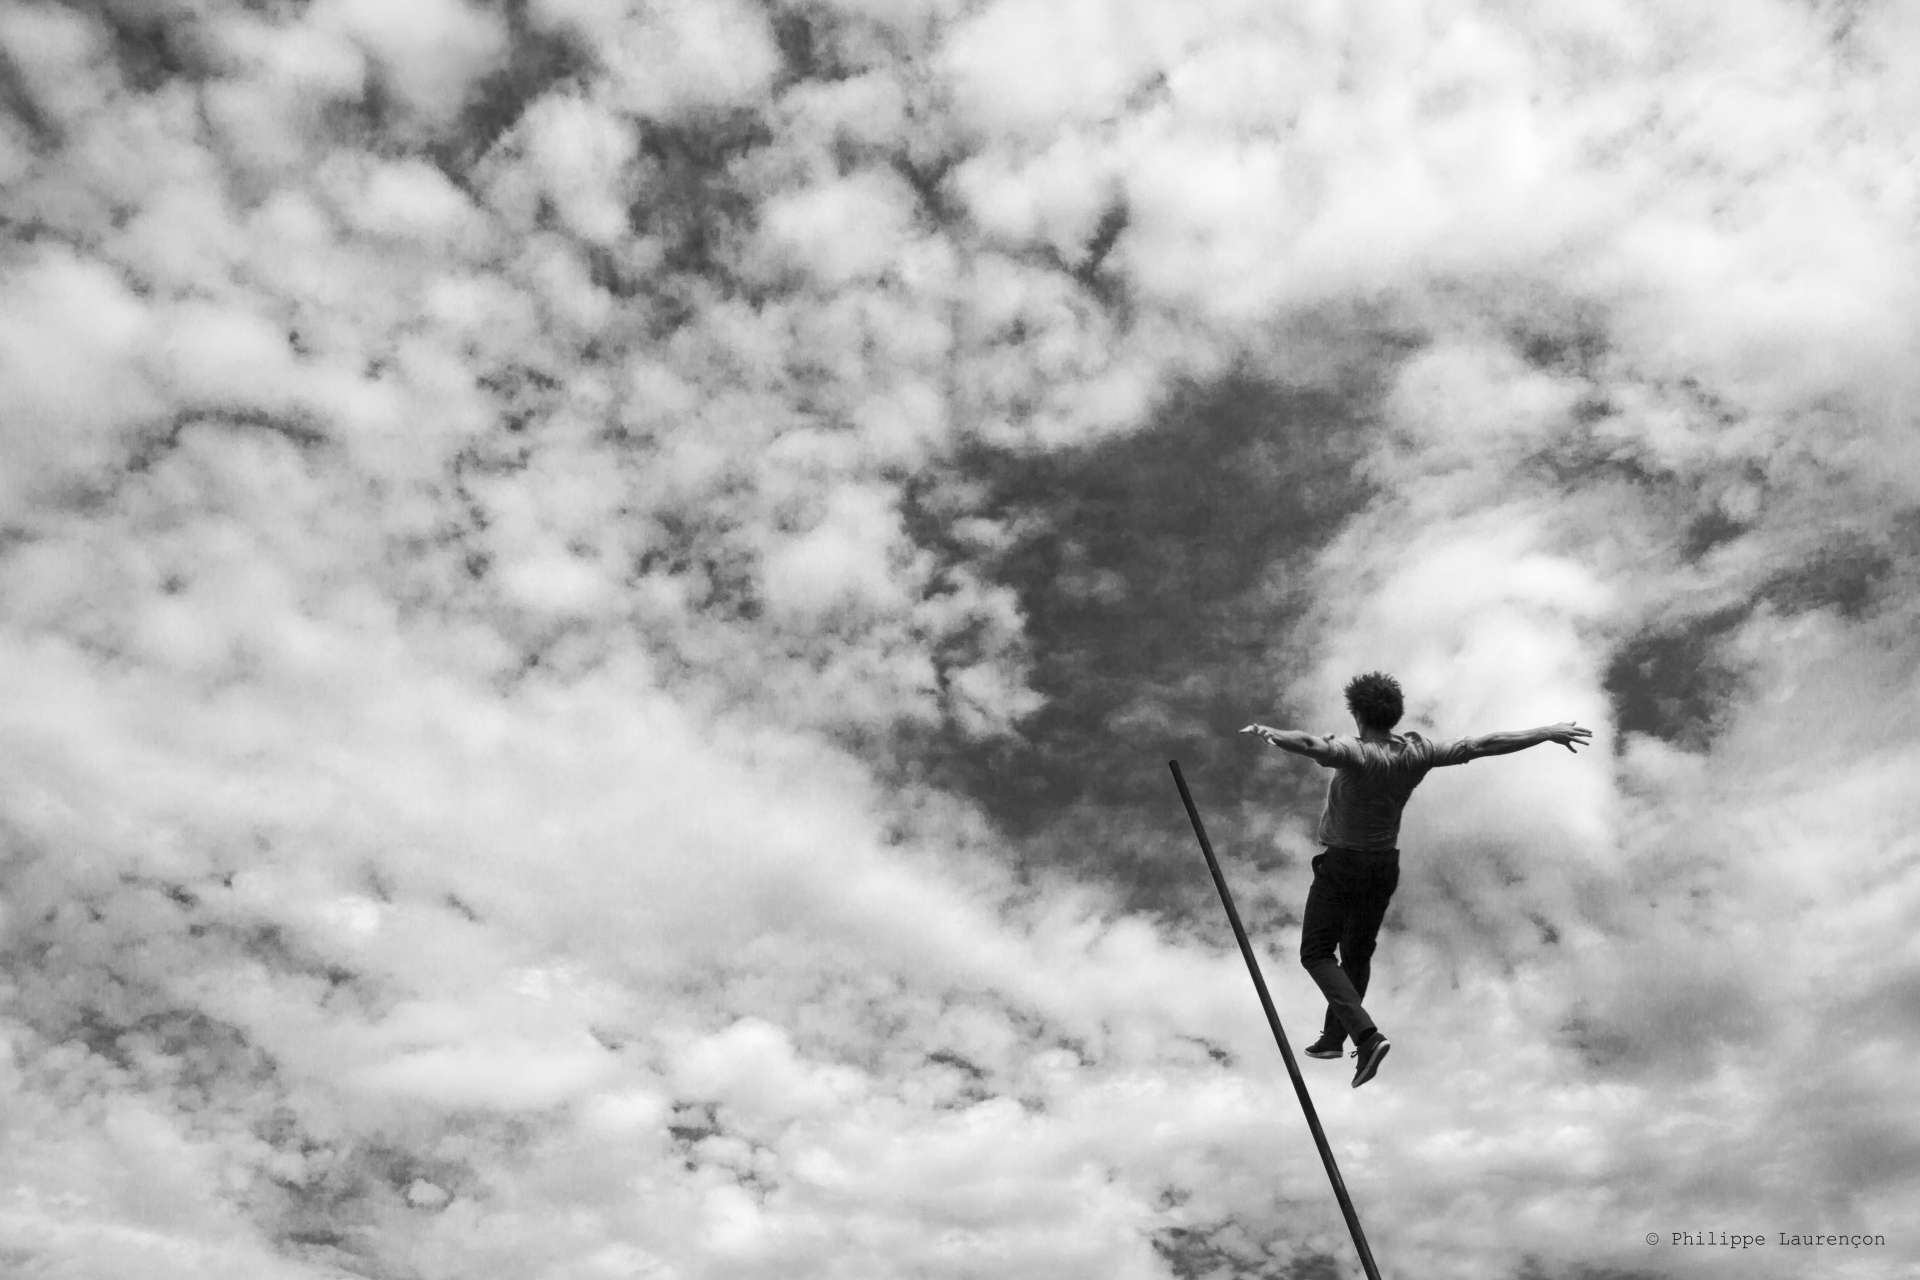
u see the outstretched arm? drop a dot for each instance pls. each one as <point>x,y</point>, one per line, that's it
<point>1294,740</point>
<point>1566,733</point>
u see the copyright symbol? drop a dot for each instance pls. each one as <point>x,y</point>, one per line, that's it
<point>1653,1237</point>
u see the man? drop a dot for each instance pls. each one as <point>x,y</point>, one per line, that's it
<point>1355,875</point>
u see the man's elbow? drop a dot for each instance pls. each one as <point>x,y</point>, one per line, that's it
<point>1304,744</point>
<point>1317,750</point>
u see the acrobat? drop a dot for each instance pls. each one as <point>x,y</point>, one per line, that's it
<point>1355,874</point>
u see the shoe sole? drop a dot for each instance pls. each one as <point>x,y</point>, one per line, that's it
<point>1371,1065</point>
<point>1336,1053</point>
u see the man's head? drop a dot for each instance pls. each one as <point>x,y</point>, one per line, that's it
<point>1374,699</point>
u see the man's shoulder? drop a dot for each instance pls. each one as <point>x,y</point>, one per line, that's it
<point>1341,749</point>
<point>1400,750</point>
<point>1369,753</point>
<point>1425,748</point>
<point>1408,747</point>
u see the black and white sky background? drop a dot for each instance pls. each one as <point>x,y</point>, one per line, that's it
<point>594,597</point>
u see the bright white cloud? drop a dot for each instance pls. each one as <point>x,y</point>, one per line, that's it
<point>407,200</point>
<point>431,51</point>
<point>666,58</point>
<point>844,232</point>
<point>575,155</point>
<point>841,561</point>
<point>60,55</point>
<point>1011,81</point>
<point>71,337</point>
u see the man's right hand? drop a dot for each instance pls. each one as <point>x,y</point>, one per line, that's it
<point>1569,735</point>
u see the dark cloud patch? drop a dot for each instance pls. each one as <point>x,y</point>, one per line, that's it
<point>537,61</point>
<point>330,1198</point>
<point>1231,1249</point>
<point>1575,343</point>
<point>1712,529</point>
<point>370,121</point>
<point>1113,223</point>
<point>691,196</point>
<point>1675,682</point>
<point>1592,447</point>
<point>155,44</point>
<point>801,47</point>
<point>1535,1268</point>
<point>820,42</point>
<point>1600,1047</point>
<point>1585,454</point>
<point>816,45</point>
<point>150,448</point>
<point>1156,574</point>
<point>17,101</point>
<point>1847,577</point>
<point>1709,525</point>
<point>1842,20</point>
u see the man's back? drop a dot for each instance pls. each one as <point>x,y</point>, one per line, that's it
<point>1372,779</point>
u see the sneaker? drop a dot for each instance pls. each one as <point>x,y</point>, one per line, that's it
<point>1369,1054</point>
<point>1327,1046</point>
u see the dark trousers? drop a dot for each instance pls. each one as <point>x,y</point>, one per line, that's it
<point>1345,906</point>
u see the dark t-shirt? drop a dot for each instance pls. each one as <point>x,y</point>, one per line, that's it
<point>1370,785</point>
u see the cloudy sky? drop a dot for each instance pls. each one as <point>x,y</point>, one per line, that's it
<point>595,596</point>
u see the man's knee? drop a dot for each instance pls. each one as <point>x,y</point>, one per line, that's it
<point>1313,955</point>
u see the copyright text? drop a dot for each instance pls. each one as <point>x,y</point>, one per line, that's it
<point>1761,1239</point>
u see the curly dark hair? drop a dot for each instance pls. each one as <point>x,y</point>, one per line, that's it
<point>1375,701</point>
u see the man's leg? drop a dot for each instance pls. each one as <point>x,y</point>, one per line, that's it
<point>1367,908</point>
<point>1332,1031</point>
<point>1322,926</point>
<point>1374,878</point>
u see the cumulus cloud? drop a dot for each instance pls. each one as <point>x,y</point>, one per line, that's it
<point>74,334</point>
<point>669,58</point>
<point>575,152</point>
<point>430,53</point>
<point>594,599</point>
